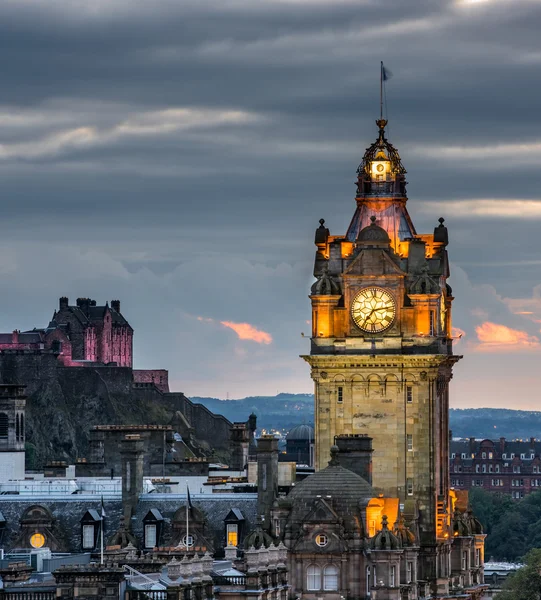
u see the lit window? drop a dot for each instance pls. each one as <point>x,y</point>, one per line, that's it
<point>490,455</point>
<point>409,396</point>
<point>322,540</point>
<point>432,322</point>
<point>313,578</point>
<point>37,540</point>
<point>150,536</point>
<point>88,537</point>
<point>372,527</point>
<point>233,534</point>
<point>330,578</point>
<point>409,439</point>
<point>340,395</point>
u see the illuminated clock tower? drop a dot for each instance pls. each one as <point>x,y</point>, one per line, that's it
<point>381,350</point>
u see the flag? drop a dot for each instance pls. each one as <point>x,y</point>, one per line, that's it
<point>385,73</point>
<point>102,509</point>
<point>190,506</point>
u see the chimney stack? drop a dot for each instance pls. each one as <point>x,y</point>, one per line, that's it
<point>355,454</point>
<point>267,476</point>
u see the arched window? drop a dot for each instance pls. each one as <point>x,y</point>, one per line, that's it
<point>313,578</point>
<point>330,578</point>
<point>22,428</point>
<point>368,582</point>
<point>4,426</point>
<point>17,433</point>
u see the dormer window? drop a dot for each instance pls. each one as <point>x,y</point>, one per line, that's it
<point>234,527</point>
<point>152,528</point>
<point>90,529</point>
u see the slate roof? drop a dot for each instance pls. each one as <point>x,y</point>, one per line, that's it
<point>347,490</point>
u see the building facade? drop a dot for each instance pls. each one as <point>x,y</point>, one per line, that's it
<point>381,351</point>
<point>505,466</point>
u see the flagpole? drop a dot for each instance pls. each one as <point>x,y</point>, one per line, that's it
<point>101,535</point>
<point>187,515</point>
<point>381,90</point>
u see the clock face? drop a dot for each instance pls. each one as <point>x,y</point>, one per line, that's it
<point>380,168</point>
<point>373,309</point>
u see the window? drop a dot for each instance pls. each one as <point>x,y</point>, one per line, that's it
<point>187,540</point>
<point>277,527</point>
<point>409,397</point>
<point>463,455</point>
<point>504,455</point>
<point>37,540</point>
<point>410,572</point>
<point>409,440</point>
<point>484,468</point>
<point>330,578</point>
<point>512,455</point>
<point>464,561</point>
<point>313,578</point>
<point>490,468</point>
<point>372,527</point>
<point>490,455</point>
<point>150,536</point>
<point>22,428</point>
<point>88,537</point>
<point>477,557</point>
<point>4,426</point>
<point>497,468</point>
<point>516,468</point>
<point>409,487</point>
<point>432,322</point>
<point>484,455</point>
<point>17,427</point>
<point>233,534</point>
<point>522,456</point>
<point>368,582</point>
<point>477,468</point>
<point>392,577</point>
<point>453,455</point>
<point>322,540</point>
<point>340,395</point>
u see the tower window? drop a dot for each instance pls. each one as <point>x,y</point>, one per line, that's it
<point>340,395</point>
<point>410,572</point>
<point>409,394</point>
<point>4,426</point>
<point>409,441</point>
<point>409,487</point>
<point>432,322</point>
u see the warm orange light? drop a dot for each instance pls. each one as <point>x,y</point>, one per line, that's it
<point>37,540</point>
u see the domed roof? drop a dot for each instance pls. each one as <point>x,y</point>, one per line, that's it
<point>385,539</point>
<point>373,234</point>
<point>347,490</point>
<point>325,284</point>
<point>381,149</point>
<point>301,432</point>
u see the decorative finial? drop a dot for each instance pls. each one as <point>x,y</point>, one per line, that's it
<point>373,219</point>
<point>334,462</point>
<point>384,522</point>
<point>381,123</point>
<point>321,222</point>
<point>441,221</point>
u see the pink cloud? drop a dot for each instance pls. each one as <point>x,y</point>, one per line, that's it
<point>245,331</point>
<point>496,337</point>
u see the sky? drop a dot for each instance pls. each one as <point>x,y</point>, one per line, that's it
<point>179,155</point>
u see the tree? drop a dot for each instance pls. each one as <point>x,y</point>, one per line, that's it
<point>525,584</point>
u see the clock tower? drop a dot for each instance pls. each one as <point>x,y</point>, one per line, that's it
<point>381,349</point>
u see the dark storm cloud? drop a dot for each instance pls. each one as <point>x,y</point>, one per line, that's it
<point>179,154</point>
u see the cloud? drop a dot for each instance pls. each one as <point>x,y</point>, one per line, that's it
<point>245,331</point>
<point>508,208</point>
<point>497,337</point>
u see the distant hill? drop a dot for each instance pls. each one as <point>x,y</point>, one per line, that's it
<point>284,411</point>
<point>281,412</point>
